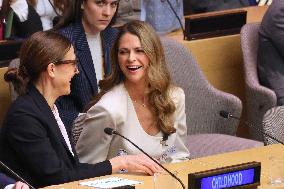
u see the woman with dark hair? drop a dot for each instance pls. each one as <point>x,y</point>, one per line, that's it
<point>87,24</point>
<point>138,100</point>
<point>34,141</point>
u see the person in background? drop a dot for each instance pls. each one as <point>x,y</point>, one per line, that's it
<point>87,25</point>
<point>34,141</point>
<point>31,16</point>
<point>270,59</point>
<point>9,183</point>
<point>138,100</point>
<point>21,19</point>
<point>50,11</point>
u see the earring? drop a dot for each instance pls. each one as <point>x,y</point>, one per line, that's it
<point>82,6</point>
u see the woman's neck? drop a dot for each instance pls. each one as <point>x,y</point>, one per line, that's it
<point>47,92</point>
<point>136,91</point>
<point>89,29</point>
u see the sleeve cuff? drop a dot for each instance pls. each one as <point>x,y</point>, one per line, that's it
<point>10,186</point>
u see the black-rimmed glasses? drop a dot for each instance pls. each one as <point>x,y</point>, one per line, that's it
<point>73,62</point>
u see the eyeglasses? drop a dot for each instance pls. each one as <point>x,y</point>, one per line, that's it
<point>73,62</point>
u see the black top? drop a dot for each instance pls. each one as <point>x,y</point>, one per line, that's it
<point>32,145</point>
<point>27,28</point>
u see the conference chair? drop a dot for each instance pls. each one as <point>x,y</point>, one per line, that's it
<point>273,125</point>
<point>208,132</point>
<point>258,98</point>
<point>5,98</point>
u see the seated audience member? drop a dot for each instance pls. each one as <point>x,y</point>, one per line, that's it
<point>270,60</point>
<point>34,141</point>
<point>21,19</point>
<point>138,100</point>
<point>47,10</point>
<point>163,16</point>
<point>88,26</point>
<point>9,183</point>
<point>30,16</point>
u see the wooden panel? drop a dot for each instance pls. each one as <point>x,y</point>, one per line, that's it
<point>5,99</point>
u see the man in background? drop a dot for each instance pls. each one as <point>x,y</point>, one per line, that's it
<point>270,60</point>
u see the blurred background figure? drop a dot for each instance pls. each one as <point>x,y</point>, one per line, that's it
<point>25,17</point>
<point>164,15</point>
<point>21,19</point>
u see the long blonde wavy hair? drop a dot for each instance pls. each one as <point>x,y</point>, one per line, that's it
<point>158,76</point>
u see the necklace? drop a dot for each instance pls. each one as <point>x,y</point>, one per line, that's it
<point>141,104</point>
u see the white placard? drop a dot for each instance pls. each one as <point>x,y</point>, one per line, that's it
<point>109,182</point>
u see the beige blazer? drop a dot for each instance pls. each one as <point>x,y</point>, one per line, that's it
<point>115,109</point>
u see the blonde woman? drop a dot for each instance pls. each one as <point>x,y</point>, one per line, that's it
<point>138,100</point>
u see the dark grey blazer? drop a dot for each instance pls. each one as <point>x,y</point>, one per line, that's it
<point>32,145</point>
<point>271,50</point>
<point>84,85</point>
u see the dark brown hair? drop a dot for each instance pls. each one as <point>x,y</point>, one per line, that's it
<point>159,80</point>
<point>73,13</point>
<point>37,52</point>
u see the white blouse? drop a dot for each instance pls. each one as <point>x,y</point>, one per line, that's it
<point>115,110</point>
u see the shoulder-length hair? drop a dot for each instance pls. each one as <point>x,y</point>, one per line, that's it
<point>159,80</point>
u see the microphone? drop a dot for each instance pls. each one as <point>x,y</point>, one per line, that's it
<point>111,131</point>
<point>228,115</point>
<point>176,15</point>
<point>15,175</point>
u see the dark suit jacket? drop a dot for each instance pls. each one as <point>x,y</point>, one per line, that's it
<point>4,180</point>
<point>84,85</point>
<point>32,145</point>
<point>271,50</point>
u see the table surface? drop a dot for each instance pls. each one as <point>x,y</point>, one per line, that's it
<point>261,154</point>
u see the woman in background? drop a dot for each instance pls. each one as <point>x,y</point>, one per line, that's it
<point>87,25</point>
<point>31,16</point>
<point>34,141</point>
<point>138,100</point>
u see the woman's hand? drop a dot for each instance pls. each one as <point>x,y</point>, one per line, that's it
<point>135,163</point>
<point>20,185</point>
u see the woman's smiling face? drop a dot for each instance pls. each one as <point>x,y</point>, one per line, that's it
<point>132,59</point>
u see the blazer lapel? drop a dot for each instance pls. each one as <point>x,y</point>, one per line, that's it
<point>84,56</point>
<point>106,53</point>
<point>50,120</point>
